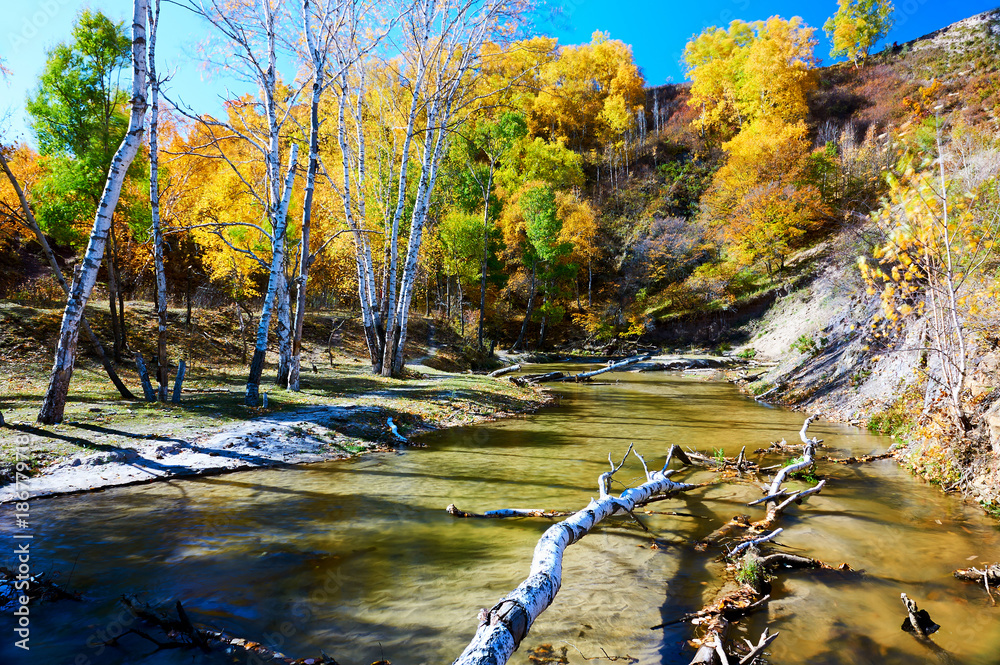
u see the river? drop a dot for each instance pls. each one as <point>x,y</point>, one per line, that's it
<point>360,559</point>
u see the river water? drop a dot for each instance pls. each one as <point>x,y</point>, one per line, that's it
<point>360,559</point>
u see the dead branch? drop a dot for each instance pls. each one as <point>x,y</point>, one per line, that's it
<point>505,625</point>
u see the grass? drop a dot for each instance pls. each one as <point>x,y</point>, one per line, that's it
<point>97,419</point>
<point>749,570</point>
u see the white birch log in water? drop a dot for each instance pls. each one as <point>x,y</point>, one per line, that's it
<point>277,273</point>
<point>505,625</point>
<point>505,370</point>
<point>32,224</point>
<point>583,376</point>
<point>54,403</point>
<point>153,16</point>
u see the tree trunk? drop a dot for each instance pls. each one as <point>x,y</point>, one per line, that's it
<point>283,329</point>
<point>116,333</point>
<point>147,386</point>
<point>279,221</point>
<point>461,306</point>
<point>54,403</point>
<point>502,628</point>
<point>486,255</point>
<point>162,377</point>
<point>531,304</point>
<point>32,224</point>
<point>307,203</point>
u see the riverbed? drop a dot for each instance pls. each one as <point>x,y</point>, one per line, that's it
<point>358,558</point>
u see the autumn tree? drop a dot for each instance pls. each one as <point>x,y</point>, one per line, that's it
<point>760,202</point>
<point>54,402</point>
<point>78,117</point>
<point>249,38</point>
<point>935,262</point>
<point>750,71</point>
<point>857,26</point>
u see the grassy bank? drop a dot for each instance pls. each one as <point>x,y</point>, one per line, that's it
<point>335,374</point>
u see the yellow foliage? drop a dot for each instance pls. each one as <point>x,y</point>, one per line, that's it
<point>751,71</point>
<point>757,203</point>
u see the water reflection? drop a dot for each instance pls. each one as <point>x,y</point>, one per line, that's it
<point>359,558</point>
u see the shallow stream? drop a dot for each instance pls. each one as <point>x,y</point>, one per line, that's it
<point>360,559</point>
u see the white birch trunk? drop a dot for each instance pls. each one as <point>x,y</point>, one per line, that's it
<point>502,629</point>
<point>283,327</point>
<point>54,402</point>
<point>162,377</point>
<point>32,224</point>
<point>280,222</point>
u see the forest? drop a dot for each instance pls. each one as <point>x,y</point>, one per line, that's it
<point>429,214</point>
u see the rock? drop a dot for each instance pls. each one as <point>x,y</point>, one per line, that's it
<point>992,420</point>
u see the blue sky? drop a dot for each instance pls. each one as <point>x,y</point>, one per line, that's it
<point>657,32</point>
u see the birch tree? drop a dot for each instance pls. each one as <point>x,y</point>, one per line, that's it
<point>154,206</point>
<point>28,219</point>
<point>439,45</point>
<point>249,49</point>
<point>54,403</point>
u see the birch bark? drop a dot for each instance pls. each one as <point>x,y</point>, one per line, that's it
<point>154,205</point>
<point>54,403</point>
<point>277,276</point>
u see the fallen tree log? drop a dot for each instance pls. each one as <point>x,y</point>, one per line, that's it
<point>505,370</point>
<point>181,633</point>
<point>452,509</point>
<point>583,376</point>
<point>503,627</point>
<point>990,573</point>
<point>537,378</point>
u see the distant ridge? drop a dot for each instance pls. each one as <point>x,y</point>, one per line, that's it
<point>955,35</point>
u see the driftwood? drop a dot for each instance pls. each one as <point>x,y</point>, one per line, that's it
<point>917,621</point>
<point>987,576</point>
<point>735,600</point>
<point>506,512</point>
<point>537,378</point>
<point>862,459</point>
<point>503,627</point>
<point>583,376</point>
<point>505,370</point>
<point>40,587</point>
<point>990,573</point>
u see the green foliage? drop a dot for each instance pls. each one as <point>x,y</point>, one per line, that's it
<point>895,421</point>
<point>749,570</point>
<point>543,225</point>
<point>748,353</point>
<point>806,344</point>
<point>77,109</point>
<point>79,118</point>
<point>684,183</point>
<point>857,26</point>
<point>537,159</point>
